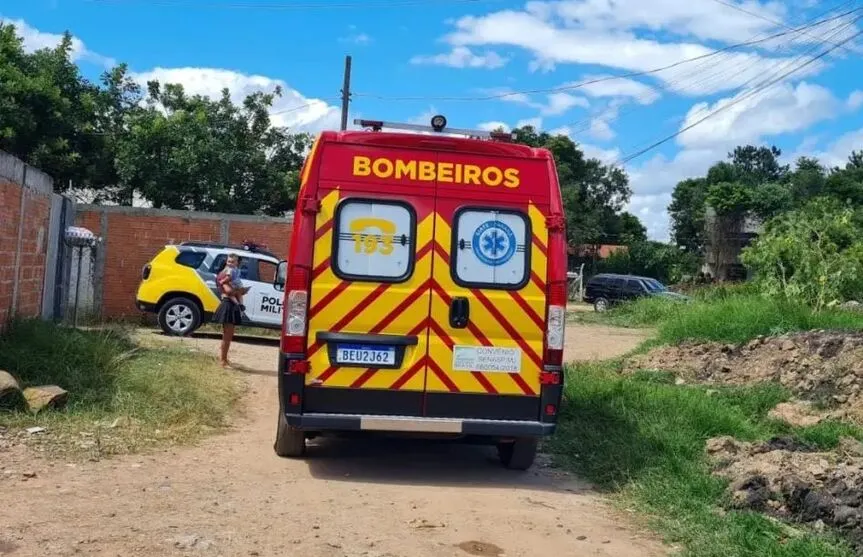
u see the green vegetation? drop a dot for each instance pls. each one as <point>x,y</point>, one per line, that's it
<point>724,316</point>
<point>664,262</point>
<point>123,396</point>
<point>644,438</point>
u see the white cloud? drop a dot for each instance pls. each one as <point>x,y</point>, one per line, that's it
<point>292,109</point>
<point>600,129</point>
<point>491,126</point>
<point>641,93</point>
<point>855,100</point>
<point>35,39</point>
<point>836,153</point>
<point>536,123</point>
<point>703,20</point>
<point>463,57</point>
<point>555,104</point>
<point>553,40</point>
<point>780,109</point>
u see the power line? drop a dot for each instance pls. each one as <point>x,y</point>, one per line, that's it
<point>740,99</point>
<point>771,20</point>
<point>302,106</point>
<point>582,124</point>
<point>607,78</point>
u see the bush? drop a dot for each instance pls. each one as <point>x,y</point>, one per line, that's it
<point>164,393</point>
<point>812,255</point>
<point>664,262</point>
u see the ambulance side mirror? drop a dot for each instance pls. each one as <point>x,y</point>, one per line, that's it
<point>281,276</point>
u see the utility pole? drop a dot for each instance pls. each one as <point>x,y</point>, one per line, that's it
<point>346,93</point>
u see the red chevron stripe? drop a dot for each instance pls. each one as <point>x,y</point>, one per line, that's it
<point>323,229</point>
<point>324,302</point>
<point>325,264</point>
<point>441,252</point>
<point>406,376</point>
<point>327,373</point>
<point>538,243</point>
<point>522,384</point>
<point>483,380</point>
<point>451,387</point>
<point>537,281</point>
<point>508,327</point>
<point>361,380</point>
<point>527,309</point>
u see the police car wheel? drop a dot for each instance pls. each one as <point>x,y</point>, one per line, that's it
<point>519,454</point>
<point>179,317</point>
<point>290,442</point>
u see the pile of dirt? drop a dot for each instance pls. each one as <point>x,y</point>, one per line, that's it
<point>823,367</point>
<point>795,483</point>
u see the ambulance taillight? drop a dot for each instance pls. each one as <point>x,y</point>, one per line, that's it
<point>556,294</point>
<point>296,309</point>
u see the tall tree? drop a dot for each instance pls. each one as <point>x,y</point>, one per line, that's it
<point>192,152</point>
<point>593,193</point>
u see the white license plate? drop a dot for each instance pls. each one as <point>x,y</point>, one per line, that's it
<point>365,355</point>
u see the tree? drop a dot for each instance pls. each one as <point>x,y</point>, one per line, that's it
<point>48,111</point>
<point>191,152</point>
<point>687,213</point>
<point>812,254</point>
<point>593,193</point>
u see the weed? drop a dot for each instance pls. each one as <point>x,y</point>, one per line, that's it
<point>122,396</point>
<point>644,438</point>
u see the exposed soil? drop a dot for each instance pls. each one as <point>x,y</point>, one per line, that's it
<point>792,482</point>
<point>232,496</point>
<point>822,368</point>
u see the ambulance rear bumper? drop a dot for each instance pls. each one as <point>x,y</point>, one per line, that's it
<point>411,424</point>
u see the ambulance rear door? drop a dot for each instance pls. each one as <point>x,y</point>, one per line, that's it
<point>369,299</point>
<point>488,302</point>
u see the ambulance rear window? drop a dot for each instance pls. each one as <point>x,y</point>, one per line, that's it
<point>374,240</point>
<point>490,249</point>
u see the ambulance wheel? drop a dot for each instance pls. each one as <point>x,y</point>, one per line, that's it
<point>519,454</point>
<point>290,442</point>
<point>179,317</point>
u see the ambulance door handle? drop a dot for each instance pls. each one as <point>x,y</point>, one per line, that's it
<point>459,312</point>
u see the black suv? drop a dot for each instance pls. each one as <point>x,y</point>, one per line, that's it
<point>605,290</point>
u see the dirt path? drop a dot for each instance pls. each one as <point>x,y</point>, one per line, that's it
<point>231,496</point>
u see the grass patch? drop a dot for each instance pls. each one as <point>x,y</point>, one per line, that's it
<point>723,315</point>
<point>123,396</point>
<point>644,438</point>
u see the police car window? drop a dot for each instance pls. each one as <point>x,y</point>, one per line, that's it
<point>491,248</point>
<point>247,272</point>
<point>266,271</point>
<point>191,259</point>
<point>374,240</point>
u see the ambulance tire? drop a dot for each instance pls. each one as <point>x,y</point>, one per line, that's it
<point>518,455</point>
<point>290,442</point>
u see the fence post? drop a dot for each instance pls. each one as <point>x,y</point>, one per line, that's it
<point>19,243</point>
<point>99,271</point>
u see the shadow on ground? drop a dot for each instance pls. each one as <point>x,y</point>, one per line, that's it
<point>404,461</point>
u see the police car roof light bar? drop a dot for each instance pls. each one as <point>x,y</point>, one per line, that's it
<point>378,125</point>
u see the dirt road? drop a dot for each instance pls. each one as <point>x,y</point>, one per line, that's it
<point>231,496</point>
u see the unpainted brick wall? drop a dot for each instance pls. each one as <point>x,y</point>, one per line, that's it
<point>23,238</point>
<point>133,236</point>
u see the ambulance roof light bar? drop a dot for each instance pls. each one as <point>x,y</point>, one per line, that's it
<point>438,125</point>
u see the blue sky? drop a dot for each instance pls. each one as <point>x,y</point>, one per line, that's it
<point>414,58</point>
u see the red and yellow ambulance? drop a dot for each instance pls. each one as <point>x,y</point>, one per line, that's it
<point>425,290</point>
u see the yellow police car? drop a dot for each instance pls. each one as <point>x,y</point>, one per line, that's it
<point>179,285</point>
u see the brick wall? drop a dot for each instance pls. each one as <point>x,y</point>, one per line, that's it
<point>132,236</point>
<point>25,208</point>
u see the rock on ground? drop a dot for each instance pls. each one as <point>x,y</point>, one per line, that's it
<point>10,392</point>
<point>45,396</point>
<point>825,368</point>
<point>791,481</point>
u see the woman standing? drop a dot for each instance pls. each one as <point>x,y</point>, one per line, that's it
<point>230,310</point>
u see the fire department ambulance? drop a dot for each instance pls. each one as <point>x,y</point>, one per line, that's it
<point>425,290</point>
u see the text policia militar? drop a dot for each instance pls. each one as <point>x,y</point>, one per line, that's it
<point>428,171</point>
